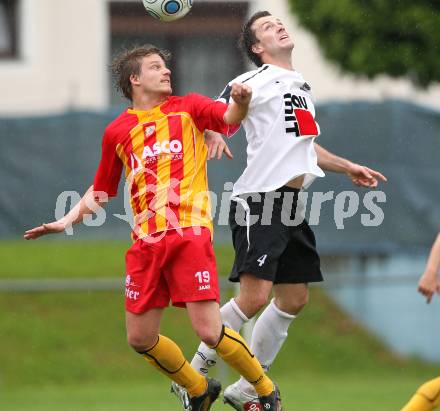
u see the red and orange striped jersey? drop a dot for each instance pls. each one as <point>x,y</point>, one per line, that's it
<point>164,155</point>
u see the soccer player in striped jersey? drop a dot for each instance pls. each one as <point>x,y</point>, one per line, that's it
<point>282,157</point>
<point>160,142</point>
<point>427,397</point>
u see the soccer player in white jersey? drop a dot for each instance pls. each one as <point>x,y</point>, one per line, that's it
<point>282,157</point>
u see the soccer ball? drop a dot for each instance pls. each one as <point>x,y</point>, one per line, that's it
<point>167,10</point>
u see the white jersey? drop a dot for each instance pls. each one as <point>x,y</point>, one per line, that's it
<point>280,130</point>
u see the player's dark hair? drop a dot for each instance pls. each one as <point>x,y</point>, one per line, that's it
<point>129,63</point>
<point>248,39</point>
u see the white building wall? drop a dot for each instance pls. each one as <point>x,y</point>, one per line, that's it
<point>65,46</point>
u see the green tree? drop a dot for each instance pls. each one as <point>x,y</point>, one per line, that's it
<point>371,37</point>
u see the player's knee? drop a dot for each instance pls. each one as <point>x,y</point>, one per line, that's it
<point>293,305</point>
<point>251,304</point>
<point>208,335</point>
<point>300,302</point>
<point>259,301</point>
<point>140,341</point>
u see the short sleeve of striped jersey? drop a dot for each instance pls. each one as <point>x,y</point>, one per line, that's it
<point>208,114</point>
<point>110,167</point>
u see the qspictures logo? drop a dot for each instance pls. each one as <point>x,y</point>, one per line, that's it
<point>340,207</point>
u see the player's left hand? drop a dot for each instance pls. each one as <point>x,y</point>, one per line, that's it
<point>216,145</point>
<point>241,93</point>
<point>363,176</point>
<point>428,286</point>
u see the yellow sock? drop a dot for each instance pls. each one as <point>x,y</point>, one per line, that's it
<point>235,352</point>
<point>167,357</point>
<point>426,398</point>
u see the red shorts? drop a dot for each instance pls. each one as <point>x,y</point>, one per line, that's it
<point>174,266</point>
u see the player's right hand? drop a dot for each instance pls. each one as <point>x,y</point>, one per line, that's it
<point>49,228</point>
<point>241,93</point>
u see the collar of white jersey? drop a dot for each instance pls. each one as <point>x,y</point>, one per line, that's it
<point>282,69</point>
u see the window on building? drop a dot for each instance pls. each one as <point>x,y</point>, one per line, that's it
<point>8,29</point>
<point>203,44</point>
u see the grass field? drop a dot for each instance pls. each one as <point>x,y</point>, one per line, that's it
<point>307,393</point>
<point>67,350</point>
<point>73,259</point>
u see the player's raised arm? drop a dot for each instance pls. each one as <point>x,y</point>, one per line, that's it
<point>429,282</point>
<point>87,205</point>
<point>241,95</point>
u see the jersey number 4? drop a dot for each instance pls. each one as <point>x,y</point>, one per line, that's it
<point>262,259</point>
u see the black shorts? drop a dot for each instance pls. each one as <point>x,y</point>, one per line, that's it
<point>270,248</point>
